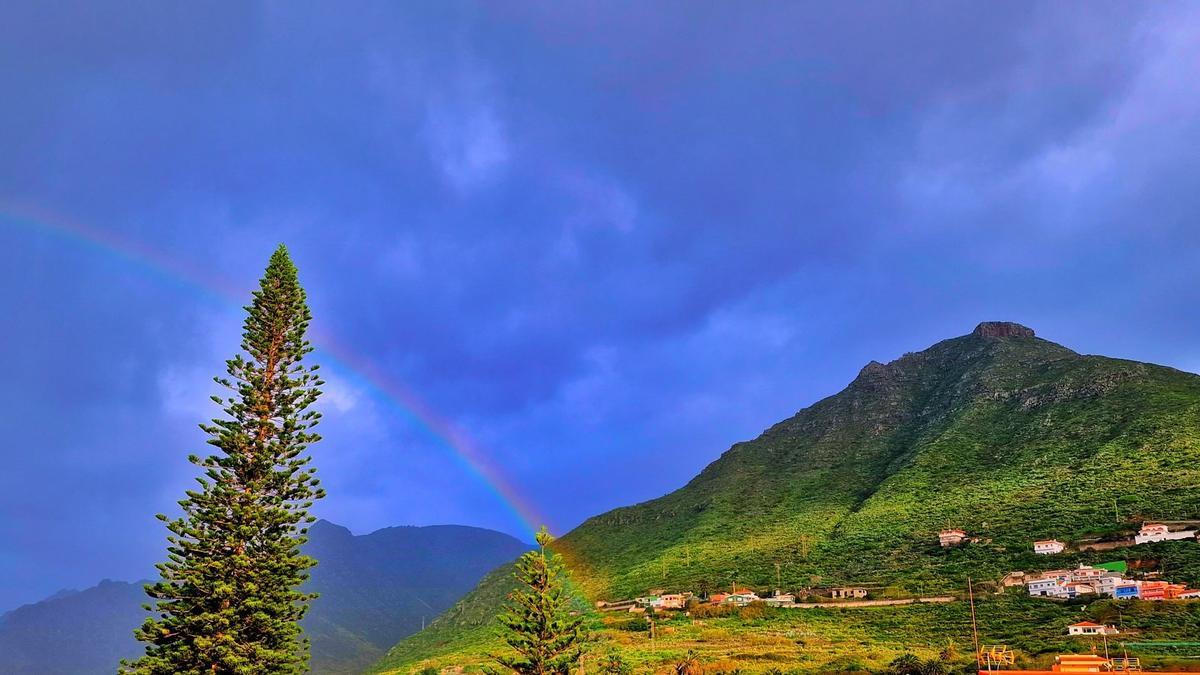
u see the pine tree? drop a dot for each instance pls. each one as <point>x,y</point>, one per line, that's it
<point>228,598</point>
<point>537,621</point>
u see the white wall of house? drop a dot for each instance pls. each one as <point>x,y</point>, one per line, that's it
<point>1151,537</point>
<point>1048,547</point>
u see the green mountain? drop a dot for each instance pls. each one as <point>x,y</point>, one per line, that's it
<point>85,632</point>
<point>374,589</point>
<point>379,587</point>
<point>1005,435</point>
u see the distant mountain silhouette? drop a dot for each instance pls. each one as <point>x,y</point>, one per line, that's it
<point>374,589</point>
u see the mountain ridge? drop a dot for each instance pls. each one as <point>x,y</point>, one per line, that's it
<point>374,589</point>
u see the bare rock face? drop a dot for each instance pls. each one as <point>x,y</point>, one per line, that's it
<point>1002,329</point>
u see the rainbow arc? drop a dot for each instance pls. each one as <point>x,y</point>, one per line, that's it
<point>332,352</point>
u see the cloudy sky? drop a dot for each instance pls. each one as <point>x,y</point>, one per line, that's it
<point>601,241</point>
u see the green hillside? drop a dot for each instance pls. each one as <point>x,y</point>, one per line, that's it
<point>1008,436</point>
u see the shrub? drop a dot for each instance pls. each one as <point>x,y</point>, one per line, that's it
<point>636,625</point>
<point>613,664</point>
<point>688,665</point>
<point>754,610</point>
<point>713,611</point>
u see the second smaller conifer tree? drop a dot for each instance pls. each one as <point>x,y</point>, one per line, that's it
<point>537,622</point>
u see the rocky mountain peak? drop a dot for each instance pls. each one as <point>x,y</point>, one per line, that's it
<point>1002,329</point>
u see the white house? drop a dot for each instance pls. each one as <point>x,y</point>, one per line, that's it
<point>1107,585</point>
<point>648,601</point>
<point>1047,587</point>
<point>1089,628</point>
<point>1152,532</point>
<point>1048,546</point>
<point>1087,573</point>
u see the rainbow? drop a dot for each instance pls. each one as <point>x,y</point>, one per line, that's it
<point>356,367</point>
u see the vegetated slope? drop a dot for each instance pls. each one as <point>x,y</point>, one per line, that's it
<point>1006,435</point>
<point>374,590</point>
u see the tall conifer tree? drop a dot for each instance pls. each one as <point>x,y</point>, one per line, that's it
<point>228,598</point>
<point>537,622</point>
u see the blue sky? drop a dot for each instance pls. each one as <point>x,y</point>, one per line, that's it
<point>606,240</point>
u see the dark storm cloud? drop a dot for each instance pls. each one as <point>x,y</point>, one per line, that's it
<point>607,240</point>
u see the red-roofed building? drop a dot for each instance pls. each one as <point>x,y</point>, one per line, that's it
<point>1089,628</point>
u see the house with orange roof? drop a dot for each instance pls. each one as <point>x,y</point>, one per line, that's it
<point>1090,628</point>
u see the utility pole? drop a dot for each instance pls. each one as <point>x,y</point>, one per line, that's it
<point>974,625</point>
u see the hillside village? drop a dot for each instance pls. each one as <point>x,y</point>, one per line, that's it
<point>1104,579</point>
<point>1110,579</point>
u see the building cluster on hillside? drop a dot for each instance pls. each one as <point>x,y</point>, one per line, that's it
<point>664,601</point>
<point>738,597</point>
<point>1107,579</point>
<point>1148,534</point>
<point>658,601</point>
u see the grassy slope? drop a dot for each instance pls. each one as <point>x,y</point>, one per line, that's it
<point>1013,439</point>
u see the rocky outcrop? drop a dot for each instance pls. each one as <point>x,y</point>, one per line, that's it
<point>1002,329</point>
